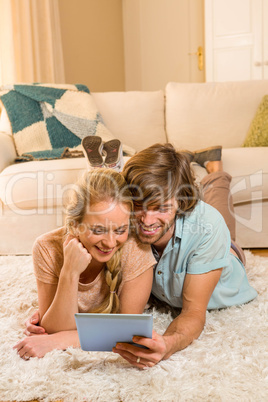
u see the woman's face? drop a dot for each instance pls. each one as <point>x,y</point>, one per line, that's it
<point>104,229</point>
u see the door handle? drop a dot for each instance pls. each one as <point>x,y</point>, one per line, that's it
<point>200,55</point>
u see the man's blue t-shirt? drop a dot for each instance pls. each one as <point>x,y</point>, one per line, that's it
<point>201,243</point>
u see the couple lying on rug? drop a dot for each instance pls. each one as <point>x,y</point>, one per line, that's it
<point>105,260</point>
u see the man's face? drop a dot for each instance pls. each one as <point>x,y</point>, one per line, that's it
<point>155,223</point>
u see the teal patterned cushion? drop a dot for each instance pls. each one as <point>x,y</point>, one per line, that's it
<point>49,121</point>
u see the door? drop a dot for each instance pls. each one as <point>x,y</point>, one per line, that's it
<point>234,45</point>
<point>161,41</point>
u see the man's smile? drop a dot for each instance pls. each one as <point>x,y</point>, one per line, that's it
<point>150,230</point>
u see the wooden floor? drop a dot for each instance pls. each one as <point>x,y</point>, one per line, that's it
<point>263,252</point>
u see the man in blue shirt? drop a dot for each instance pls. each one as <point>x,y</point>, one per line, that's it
<point>198,267</point>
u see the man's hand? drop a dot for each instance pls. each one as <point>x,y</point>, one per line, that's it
<point>32,327</point>
<point>140,357</point>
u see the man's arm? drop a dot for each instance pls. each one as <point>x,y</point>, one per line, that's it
<point>197,291</point>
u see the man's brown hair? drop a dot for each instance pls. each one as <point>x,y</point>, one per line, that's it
<point>159,173</point>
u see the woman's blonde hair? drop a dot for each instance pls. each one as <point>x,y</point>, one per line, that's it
<point>96,186</point>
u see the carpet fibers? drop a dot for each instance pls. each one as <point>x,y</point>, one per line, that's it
<point>229,361</point>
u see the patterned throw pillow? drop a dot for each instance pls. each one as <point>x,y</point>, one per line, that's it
<point>257,135</point>
<point>49,120</point>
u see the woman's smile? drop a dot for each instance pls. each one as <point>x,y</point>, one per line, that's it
<point>105,250</point>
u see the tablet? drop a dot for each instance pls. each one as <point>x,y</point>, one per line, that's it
<point>101,332</point>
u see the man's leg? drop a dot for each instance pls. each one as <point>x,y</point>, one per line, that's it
<point>216,192</point>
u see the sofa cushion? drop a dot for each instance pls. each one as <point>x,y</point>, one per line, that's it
<point>136,118</point>
<point>39,184</point>
<point>258,132</point>
<point>205,114</point>
<point>249,182</point>
<point>249,170</point>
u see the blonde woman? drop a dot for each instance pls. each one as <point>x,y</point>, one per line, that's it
<point>92,264</point>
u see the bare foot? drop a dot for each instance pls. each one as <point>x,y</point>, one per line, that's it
<point>214,166</point>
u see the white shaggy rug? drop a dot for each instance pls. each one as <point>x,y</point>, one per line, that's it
<point>229,362</point>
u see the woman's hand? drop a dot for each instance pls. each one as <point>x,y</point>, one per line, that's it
<point>32,327</point>
<point>35,346</point>
<point>76,256</point>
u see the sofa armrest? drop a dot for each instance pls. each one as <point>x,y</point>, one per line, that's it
<point>7,150</point>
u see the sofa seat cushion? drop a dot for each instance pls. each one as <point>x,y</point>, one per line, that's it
<point>249,182</point>
<point>249,170</point>
<point>204,114</point>
<point>39,184</point>
<point>136,118</point>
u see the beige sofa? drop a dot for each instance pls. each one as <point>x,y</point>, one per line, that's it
<point>190,116</point>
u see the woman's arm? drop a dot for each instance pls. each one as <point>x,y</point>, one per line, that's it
<point>39,345</point>
<point>58,303</point>
<point>133,298</point>
<point>135,293</point>
<point>57,312</point>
